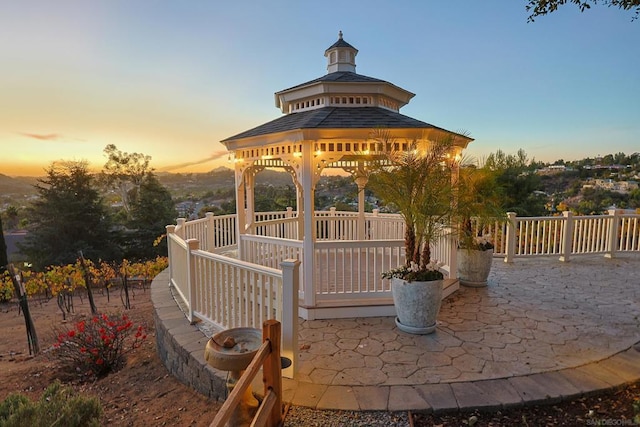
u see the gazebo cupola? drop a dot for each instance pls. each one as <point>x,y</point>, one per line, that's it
<point>341,56</point>
<point>342,87</point>
<point>327,122</point>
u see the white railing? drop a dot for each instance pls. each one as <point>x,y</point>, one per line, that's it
<point>269,216</point>
<point>567,235</point>
<point>178,271</point>
<point>385,226</point>
<point>269,251</point>
<point>442,252</point>
<point>531,236</point>
<point>282,228</point>
<point>629,232</point>
<point>213,232</point>
<point>352,270</point>
<point>560,236</point>
<point>333,225</point>
<point>230,293</point>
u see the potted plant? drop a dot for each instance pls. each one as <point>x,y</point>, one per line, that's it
<point>418,184</point>
<point>479,209</point>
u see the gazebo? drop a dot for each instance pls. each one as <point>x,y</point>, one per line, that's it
<point>331,123</point>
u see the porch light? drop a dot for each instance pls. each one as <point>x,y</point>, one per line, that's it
<point>318,153</point>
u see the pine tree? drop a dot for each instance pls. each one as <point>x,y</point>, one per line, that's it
<point>69,216</point>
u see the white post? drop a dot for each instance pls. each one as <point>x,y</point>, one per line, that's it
<point>511,237</point>
<point>240,214</point>
<point>290,285</point>
<point>361,182</point>
<point>300,210</point>
<point>567,236</point>
<point>376,227</point>
<point>332,235</point>
<point>453,256</point>
<point>171,229</point>
<point>192,245</point>
<point>180,227</point>
<point>308,255</point>
<point>250,179</point>
<point>211,232</point>
<point>613,233</point>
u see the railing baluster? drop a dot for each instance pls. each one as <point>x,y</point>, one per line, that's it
<point>614,228</point>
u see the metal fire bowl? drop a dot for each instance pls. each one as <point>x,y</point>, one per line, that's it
<point>238,357</point>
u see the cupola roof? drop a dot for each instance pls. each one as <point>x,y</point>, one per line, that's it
<point>342,87</point>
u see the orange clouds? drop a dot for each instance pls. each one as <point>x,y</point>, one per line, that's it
<point>214,156</point>
<point>48,136</point>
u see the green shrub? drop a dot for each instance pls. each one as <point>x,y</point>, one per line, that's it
<point>58,406</point>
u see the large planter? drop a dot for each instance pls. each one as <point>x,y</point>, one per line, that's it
<point>417,305</point>
<point>474,267</point>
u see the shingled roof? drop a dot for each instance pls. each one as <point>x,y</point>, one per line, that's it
<point>341,43</point>
<point>340,77</point>
<point>336,118</point>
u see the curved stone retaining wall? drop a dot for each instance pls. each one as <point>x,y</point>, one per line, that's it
<point>181,345</point>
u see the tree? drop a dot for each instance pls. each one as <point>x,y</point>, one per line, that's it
<point>69,216</point>
<point>634,198</point>
<point>607,160</point>
<point>271,198</point>
<point>519,184</point>
<point>543,7</point>
<point>151,212</point>
<point>124,173</point>
<point>12,217</point>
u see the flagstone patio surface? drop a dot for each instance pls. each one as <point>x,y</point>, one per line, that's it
<point>542,330</point>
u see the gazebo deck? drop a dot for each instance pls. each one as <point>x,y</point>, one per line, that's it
<point>541,330</point>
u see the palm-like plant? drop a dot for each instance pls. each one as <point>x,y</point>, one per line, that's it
<point>478,204</point>
<point>418,183</point>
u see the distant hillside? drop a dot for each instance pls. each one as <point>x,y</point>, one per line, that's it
<point>18,185</point>
<point>219,178</point>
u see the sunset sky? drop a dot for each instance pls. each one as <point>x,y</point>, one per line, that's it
<point>171,79</point>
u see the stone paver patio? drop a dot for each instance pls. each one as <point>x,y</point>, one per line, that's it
<point>542,330</point>
<point>536,315</point>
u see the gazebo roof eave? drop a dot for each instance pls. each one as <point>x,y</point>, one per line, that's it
<point>359,134</point>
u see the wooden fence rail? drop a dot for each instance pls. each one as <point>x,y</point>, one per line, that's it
<point>270,413</point>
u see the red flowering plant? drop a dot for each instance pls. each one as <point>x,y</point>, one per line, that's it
<point>97,346</point>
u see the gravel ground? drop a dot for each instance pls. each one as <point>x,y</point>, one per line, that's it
<point>305,417</point>
<point>616,407</point>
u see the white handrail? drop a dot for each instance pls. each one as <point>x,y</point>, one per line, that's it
<point>568,235</point>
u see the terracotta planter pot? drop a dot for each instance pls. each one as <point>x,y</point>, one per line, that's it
<point>417,305</point>
<point>474,267</point>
